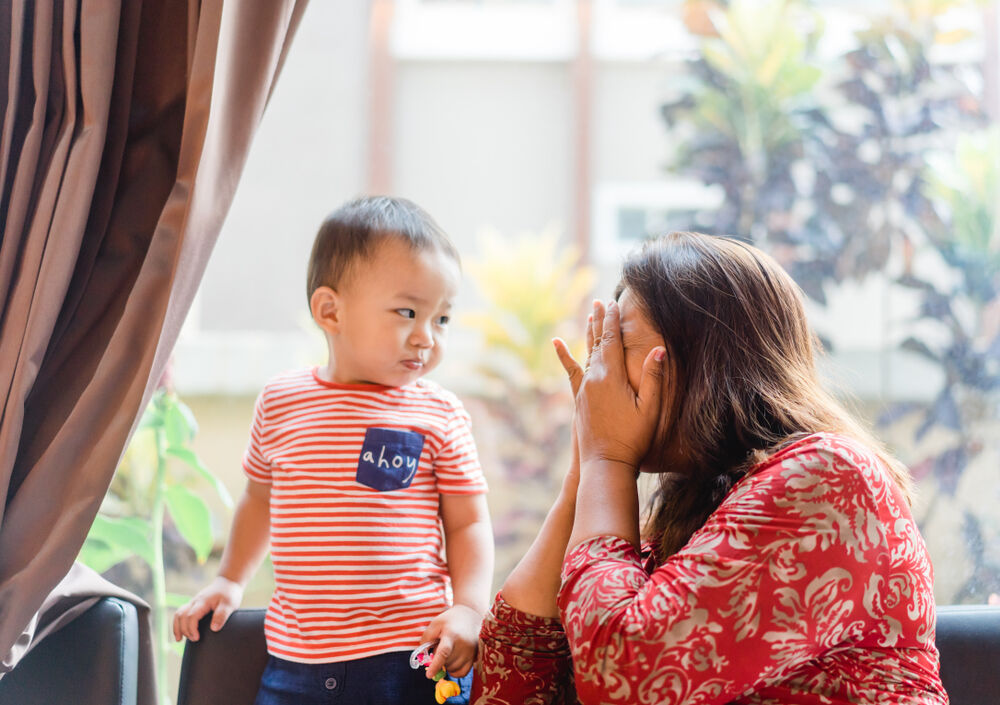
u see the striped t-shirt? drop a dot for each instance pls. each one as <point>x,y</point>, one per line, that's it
<point>356,539</point>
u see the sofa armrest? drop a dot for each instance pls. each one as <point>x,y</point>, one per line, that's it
<point>968,637</point>
<point>224,667</point>
<point>92,660</point>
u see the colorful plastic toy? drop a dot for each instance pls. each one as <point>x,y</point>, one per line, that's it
<point>421,657</point>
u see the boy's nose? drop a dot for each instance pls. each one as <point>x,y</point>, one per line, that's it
<point>421,337</point>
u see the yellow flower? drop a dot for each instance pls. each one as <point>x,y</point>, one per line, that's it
<point>444,689</point>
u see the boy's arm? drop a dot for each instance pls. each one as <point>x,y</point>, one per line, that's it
<point>469,548</point>
<point>246,548</point>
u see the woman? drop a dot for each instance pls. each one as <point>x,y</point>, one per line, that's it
<point>780,561</point>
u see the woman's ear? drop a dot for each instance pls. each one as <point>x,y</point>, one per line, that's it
<point>325,307</point>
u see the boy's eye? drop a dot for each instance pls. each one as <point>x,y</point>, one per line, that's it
<point>443,320</point>
<point>406,312</point>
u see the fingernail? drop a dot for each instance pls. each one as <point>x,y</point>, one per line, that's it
<point>659,355</point>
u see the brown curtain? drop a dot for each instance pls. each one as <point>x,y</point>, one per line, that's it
<point>126,125</point>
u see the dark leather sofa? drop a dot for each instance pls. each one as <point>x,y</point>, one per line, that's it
<point>224,667</point>
<point>968,637</point>
<point>93,660</point>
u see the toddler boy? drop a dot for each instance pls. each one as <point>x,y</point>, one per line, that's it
<point>364,479</point>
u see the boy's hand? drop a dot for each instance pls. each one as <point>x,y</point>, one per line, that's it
<point>457,632</point>
<point>220,596</point>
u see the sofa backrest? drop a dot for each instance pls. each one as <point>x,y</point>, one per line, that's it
<point>224,666</point>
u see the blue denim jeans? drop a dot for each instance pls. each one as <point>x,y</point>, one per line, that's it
<point>384,679</point>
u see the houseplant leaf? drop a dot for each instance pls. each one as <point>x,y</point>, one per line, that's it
<point>179,425</point>
<point>127,535</point>
<point>192,518</point>
<point>191,458</point>
<point>100,555</point>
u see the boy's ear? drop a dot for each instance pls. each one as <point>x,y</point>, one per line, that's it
<point>325,306</point>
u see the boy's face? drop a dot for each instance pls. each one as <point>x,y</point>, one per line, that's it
<point>391,316</point>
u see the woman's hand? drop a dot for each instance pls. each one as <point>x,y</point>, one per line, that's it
<point>595,324</point>
<point>615,424</point>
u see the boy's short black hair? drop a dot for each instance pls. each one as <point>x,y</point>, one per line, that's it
<point>351,233</point>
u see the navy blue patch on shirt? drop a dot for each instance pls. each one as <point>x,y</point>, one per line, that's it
<point>389,458</point>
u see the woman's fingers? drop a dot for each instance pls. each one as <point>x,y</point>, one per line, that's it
<point>572,367</point>
<point>596,324</point>
<point>651,384</point>
<point>614,421</point>
<point>611,342</point>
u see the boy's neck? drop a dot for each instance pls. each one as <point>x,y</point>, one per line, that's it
<point>328,375</point>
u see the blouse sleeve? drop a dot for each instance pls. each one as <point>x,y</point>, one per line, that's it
<point>522,658</point>
<point>785,569</point>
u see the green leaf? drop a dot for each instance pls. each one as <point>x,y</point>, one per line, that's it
<point>151,417</point>
<point>179,425</point>
<point>126,534</point>
<point>192,459</point>
<point>192,518</point>
<point>188,415</point>
<point>101,556</point>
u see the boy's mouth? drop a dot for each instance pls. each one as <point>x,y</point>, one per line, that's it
<point>413,364</point>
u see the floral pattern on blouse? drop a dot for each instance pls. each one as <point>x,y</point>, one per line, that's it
<point>525,659</point>
<point>809,584</point>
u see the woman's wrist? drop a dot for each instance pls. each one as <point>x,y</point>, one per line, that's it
<point>570,486</point>
<point>616,468</point>
<point>607,502</point>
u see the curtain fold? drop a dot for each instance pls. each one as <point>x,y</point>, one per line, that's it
<point>126,126</point>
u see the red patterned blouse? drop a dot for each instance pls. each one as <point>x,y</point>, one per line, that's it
<point>809,584</point>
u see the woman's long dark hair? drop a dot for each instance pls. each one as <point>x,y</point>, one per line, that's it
<point>742,372</point>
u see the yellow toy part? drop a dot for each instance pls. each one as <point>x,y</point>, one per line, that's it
<point>445,689</point>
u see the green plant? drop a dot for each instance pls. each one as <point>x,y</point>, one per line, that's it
<point>958,329</point>
<point>150,486</point>
<point>741,110</point>
<point>855,165</point>
<point>534,289</point>
<point>821,160</point>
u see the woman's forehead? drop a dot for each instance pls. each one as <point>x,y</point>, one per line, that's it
<point>632,317</point>
<point>628,306</point>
